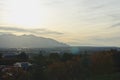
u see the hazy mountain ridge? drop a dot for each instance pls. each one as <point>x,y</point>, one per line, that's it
<point>28,41</point>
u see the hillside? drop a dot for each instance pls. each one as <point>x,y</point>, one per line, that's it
<point>28,41</point>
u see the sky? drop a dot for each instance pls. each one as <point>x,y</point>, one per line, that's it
<point>75,22</point>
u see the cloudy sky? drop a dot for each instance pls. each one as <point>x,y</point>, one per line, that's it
<point>75,22</point>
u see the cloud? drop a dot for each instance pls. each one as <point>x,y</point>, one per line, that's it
<point>115,25</point>
<point>1,33</point>
<point>35,31</point>
<point>12,29</point>
<point>53,2</point>
<point>105,40</point>
<point>98,7</point>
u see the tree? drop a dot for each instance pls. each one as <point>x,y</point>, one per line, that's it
<point>102,63</point>
<point>0,55</point>
<point>54,57</point>
<point>116,59</point>
<point>67,56</point>
<point>23,56</point>
<point>39,66</point>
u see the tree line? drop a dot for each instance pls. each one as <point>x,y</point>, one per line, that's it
<point>75,67</point>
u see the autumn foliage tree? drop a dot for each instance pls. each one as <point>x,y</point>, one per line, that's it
<point>74,66</point>
<point>102,62</point>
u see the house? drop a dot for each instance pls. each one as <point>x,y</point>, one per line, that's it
<point>24,65</point>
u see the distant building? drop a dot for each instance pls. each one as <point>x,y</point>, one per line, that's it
<point>24,65</point>
<point>9,55</point>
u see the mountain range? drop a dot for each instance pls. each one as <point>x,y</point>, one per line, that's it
<point>28,41</point>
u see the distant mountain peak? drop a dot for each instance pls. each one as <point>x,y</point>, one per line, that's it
<point>29,41</point>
